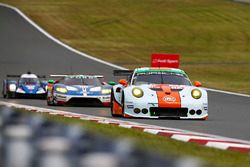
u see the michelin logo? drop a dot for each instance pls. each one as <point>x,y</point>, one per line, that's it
<point>169,99</point>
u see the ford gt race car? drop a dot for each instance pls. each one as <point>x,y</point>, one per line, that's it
<point>158,92</point>
<point>78,90</point>
<point>27,85</point>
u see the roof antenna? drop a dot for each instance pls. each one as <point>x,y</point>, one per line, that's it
<point>28,72</point>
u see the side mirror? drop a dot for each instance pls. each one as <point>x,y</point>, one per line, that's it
<point>123,82</point>
<point>197,83</point>
<point>51,81</point>
<point>111,83</point>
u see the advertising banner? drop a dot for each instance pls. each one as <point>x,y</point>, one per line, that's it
<point>165,60</point>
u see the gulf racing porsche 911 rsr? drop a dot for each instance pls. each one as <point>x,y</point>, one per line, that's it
<point>27,85</point>
<point>158,92</point>
<point>78,90</point>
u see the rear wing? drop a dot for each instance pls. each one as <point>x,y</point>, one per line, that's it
<point>61,76</point>
<point>13,76</point>
<point>42,76</point>
<point>18,76</point>
<point>123,72</point>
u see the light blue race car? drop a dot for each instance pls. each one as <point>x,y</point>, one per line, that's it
<point>86,90</point>
<point>27,85</point>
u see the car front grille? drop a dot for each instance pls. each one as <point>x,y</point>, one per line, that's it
<point>84,102</point>
<point>168,112</point>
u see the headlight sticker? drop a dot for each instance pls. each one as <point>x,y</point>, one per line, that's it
<point>137,92</point>
<point>196,93</point>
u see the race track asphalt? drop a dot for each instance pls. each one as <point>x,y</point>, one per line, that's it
<point>23,48</point>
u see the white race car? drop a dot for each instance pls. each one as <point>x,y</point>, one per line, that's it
<point>158,92</point>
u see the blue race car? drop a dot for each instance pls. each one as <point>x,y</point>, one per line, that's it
<point>27,85</point>
<point>87,90</point>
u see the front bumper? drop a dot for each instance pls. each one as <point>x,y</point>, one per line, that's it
<point>151,110</point>
<point>30,95</point>
<point>82,100</point>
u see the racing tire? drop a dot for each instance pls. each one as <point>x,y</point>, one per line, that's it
<point>50,103</point>
<point>111,104</point>
<point>10,95</point>
<point>122,103</point>
<point>4,94</point>
<point>4,90</point>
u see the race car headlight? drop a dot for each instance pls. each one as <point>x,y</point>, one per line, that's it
<point>12,87</point>
<point>196,93</point>
<point>106,91</point>
<point>137,92</point>
<point>95,89</point>
<point>19,90</point>
<point>61,90</point>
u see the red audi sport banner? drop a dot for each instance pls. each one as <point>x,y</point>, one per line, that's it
<point>165,60</point>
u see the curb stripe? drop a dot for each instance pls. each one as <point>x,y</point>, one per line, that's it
<point>218,142</point>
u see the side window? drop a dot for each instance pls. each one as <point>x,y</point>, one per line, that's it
<point>118,90</point>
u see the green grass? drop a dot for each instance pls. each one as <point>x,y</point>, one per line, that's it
<point>126,32</point>
<point>160,144</point>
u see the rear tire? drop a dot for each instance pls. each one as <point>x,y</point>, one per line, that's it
<point>50,103</point>
<point>4,90</point>
<point>122,103</point>
<point>10,95</point>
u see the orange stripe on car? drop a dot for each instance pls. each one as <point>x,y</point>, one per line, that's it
<point>168,98</point>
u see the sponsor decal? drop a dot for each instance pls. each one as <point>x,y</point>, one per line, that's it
<point>165,61</point>
<point>60,96</point>
<point>169,99</point>
<point>176,87</point>
<point>130,106</point>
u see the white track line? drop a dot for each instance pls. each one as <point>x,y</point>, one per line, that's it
<point>88,56</point>
<point>58,41</point>
<point>227,92</point>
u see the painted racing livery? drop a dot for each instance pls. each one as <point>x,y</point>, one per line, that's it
<point>158,92</point>
<point>27,85</point>
<point>78,90</point>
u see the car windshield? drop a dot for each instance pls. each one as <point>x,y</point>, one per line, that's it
<point>29,81</point>
<point>160,78</point>
<point>82,81</point>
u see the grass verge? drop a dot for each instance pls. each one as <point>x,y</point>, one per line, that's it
<point>163,145</point>
<point>213,36</point>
